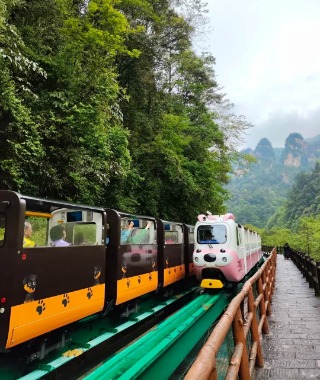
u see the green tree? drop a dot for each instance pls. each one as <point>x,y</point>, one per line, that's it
<point>21,148</point>
<point>77,105</point>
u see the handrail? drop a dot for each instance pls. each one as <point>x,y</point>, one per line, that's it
<point>241,364</point>
<point>309,268</point>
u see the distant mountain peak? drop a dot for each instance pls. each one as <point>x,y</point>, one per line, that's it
<point>264,151</point>
<point>295,151</point>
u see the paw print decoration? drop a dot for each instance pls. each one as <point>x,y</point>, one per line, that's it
<point>41,307</point>
<point>65,300</point>
<point>89,293</point>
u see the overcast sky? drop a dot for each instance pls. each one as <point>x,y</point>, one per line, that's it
<point>268,63</point>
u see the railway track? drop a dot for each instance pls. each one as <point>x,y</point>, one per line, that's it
<point>159,353</point>
<point>158,331</point>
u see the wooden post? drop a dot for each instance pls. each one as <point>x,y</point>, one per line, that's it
<point>255,331</point>
<point>263,314</point>
<point>238,335</point>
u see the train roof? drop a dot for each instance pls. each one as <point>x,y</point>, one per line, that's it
<point>49,205</point>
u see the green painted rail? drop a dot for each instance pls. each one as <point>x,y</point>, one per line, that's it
<point>158,353</point>
<point>85,340</point>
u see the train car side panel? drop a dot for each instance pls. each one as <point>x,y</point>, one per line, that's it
<point>132,256</point>
<point>52,285</point>
<point>135,286</point>
<point>172,252</point>
<point>12,210</point>
<point>38,317</point>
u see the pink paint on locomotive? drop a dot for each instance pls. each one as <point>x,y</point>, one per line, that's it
<point>234,271</point>
<point>239,260</point>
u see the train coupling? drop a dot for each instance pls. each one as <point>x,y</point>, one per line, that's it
<point>211,284</point>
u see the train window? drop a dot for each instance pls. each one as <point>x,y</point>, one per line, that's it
<point>171,237</point>
<point>140,236</point>
<point>173,234</point>
<point>82,227</point>
<point>212,234</point>
<point>84,234</point>
<point>2,228</point>
<point>137,231</point>
<point>190,235</point>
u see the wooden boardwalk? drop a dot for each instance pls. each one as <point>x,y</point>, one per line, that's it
<point>291,350</point>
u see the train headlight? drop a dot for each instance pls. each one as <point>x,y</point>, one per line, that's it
<point>196,259</point>
<point>224,259</point>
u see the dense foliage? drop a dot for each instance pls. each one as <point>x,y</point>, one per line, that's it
<point>105,102</point>
<point>298,220</point>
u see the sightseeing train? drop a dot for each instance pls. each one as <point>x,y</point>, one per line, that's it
<point>224,251</point>
<point>61,262</point>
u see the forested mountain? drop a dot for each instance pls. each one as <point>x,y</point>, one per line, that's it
<point>298,220</point>
<point>105,102</point>
<point>303,200</point>
<point>260,189</point>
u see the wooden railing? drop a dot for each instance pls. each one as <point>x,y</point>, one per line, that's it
<point>309,268</point>
<point>242,363</point>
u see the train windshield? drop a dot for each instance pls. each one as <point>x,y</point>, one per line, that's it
<point>212,234</point>
<point>2,228</point>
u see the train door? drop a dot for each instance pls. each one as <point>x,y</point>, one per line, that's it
<point>11,234</point>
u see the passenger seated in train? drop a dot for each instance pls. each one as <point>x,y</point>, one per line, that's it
<point>141,235</point>
<point>57,235</point>
<point>79,239</point>
<point>126,232</point>
<point>132,235</point>
<point>27,242</point>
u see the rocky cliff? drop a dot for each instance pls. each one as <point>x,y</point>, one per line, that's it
<point>297,152</point>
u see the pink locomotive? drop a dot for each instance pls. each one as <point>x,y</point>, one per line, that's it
<point>224,251</point>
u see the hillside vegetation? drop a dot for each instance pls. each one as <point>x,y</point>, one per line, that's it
<point>298,220</point>
<point>280,193</point>
<point>106,103</point>
<point>259,189</point>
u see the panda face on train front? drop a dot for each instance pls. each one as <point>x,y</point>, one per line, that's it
<point>215,256</point>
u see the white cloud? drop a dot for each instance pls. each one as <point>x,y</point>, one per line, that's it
<point>268,62</point>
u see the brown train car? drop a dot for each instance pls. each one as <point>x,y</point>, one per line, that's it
<point>132,256</point>
<point>44,287</point>
<point>173,263</point>
<point>104,258</point>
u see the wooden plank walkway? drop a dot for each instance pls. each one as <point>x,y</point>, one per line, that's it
<point>291,350</point>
